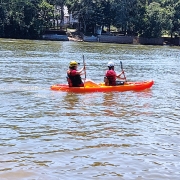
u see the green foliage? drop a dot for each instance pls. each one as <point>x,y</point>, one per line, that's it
<point>176,19</point>
<point>148,18</point>
<point>24,18</point>
<point>153,21</point>
<point>45,13</point>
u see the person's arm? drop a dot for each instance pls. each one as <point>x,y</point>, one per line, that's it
<point>119,75</point>
<point>80,71</point>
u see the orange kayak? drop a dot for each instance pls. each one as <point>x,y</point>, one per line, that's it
<point>128,86</point>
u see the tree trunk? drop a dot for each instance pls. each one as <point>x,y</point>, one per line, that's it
<point>62,17</point>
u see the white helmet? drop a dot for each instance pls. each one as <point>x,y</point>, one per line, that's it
<point>110,64</point>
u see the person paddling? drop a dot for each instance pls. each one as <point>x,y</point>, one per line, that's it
<point>111,76</point>
<point>74,75</point>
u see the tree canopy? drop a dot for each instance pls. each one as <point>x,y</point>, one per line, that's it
<point>147,18</point>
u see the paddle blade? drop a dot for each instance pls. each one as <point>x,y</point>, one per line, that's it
<point>123,71</point>
<point>121,66</point>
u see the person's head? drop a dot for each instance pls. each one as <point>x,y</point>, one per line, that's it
<point>110,65</point>
<point>73,65</point>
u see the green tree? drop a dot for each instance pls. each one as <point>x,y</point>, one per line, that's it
<point>153,21</point>
<point>33,24</point>
<point>58,6</point>
<point>136,15</point>
<point>3,19</point>
<point>91,13</point>
<point>176,19</point>
<point>148,18</point>
<point>45,13</point>
<point>26,18</point>
<point>61,4</point>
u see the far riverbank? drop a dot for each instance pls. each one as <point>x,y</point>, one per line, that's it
<point>111,38</point>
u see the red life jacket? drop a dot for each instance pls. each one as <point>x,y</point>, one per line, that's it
<point>111,76</point>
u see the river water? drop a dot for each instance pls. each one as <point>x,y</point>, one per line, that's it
<point>49,135</point>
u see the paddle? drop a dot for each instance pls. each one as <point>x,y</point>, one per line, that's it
<point>84,67</point>
<point>84,70</point>
<point>88,82</point>
<point>123,71</point>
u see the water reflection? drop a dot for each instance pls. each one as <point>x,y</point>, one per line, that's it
<point>71,100</point>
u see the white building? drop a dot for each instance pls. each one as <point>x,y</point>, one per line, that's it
<point>68,18</point>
